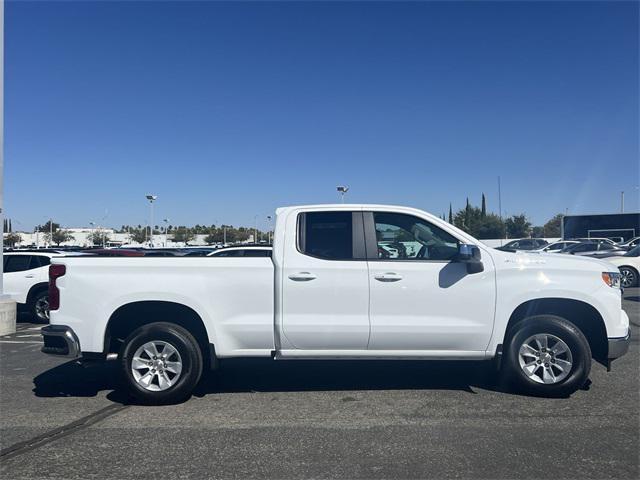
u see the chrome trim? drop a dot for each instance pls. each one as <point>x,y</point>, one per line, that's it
<point>71,341</point>
<point>619,346</point>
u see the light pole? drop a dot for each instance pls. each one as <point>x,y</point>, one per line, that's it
<point>255,229</point>
<point>342,189</point>
<point>93,224</point>
<point>269,229</point>
<point>622,202</point>
<point>151,198</point>
<point>166,237</point>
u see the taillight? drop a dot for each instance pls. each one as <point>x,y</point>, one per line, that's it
<point>55,271</point>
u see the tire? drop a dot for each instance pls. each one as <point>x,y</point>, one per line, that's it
<point>39,306</point>
<point>547,373</point>
<point>167,381</point>
<point>629,277</point>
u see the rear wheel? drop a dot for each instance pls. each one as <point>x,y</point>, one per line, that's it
<point>547,356</point>
<point>629,277</point>
<point>39,306</point>
<point>161,363</point>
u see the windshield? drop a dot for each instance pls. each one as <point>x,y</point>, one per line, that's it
<point>634,252</point>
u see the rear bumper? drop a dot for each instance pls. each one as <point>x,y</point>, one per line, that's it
<point>619,346</point>
<point>60,340</point>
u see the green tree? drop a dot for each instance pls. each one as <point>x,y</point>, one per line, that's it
<point>518,226</point>
<point>47,227</point>
<point>483,208</point>
<point>183,234</point>
<point>137,235</point>
<point>98,237</point>
<point>211,238</point>
<point>10,239</point>
<point>471,220</point>
<point>59,236</point>
<point>450,214</point>
<point>553,228</point>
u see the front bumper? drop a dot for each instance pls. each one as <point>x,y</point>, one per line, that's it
<point>60,340</point>
<point>619,346</point>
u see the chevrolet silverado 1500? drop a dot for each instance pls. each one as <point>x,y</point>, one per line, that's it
<point>343,282</point>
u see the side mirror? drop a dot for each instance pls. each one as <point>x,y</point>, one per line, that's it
<point>470,254</point>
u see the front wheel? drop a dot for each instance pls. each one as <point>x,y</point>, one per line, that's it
<point>161,362</point>
<point>629,277</point>
<point>548,356</point>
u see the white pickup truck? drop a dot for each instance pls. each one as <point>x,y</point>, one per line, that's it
<point>343,282</point>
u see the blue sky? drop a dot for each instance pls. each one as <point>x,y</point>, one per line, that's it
<point>229,110</point>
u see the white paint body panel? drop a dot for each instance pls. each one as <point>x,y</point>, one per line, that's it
<point>250,306</point>
<point>18,284</point>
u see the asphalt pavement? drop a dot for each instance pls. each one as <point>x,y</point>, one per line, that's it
<point>266,419</point>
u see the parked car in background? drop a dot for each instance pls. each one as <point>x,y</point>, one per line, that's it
<point>244,251</point>
<point>556,247</point>
<point>629,266</point>
<point>201,252</point>
<point>159,253</point>
<point>589,248</point>
<point>524,244</point>
<point>26,280</point>
<point>596,239</point>
<point>629,244</point>
<point>116,252</point>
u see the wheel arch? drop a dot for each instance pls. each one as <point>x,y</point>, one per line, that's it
<point>583,315</point>
<point>130,316</point>
<point>35,289</point>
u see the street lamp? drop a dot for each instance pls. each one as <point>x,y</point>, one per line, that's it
<point>269,229</point>
<point>166,223</point>
<point>342,189</point>
<point>151,198</point>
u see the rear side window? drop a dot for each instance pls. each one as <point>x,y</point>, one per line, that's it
<point>17,263</point>
<point>39,261</point>
<point>327,235</point>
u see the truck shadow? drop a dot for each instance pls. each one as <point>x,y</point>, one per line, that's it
<point>265,375</point>
<point>257,375</point>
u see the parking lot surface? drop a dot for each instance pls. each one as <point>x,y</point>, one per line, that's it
<point>315,419</point>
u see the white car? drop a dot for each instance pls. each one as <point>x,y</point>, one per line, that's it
<point>242,252</point>
<point>25,280</point>
<point>629,266</point>
<point>328,291</point>
<point>556,247</point>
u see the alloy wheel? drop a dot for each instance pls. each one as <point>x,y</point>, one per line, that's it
<point>545,358</point>
<point>156,366</point>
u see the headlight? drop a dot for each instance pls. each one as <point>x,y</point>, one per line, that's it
<point>612,279</point>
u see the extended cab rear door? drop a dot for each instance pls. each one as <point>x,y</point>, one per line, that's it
<point>325,282</point>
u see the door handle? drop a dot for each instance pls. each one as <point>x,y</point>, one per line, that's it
<point>302,276</point>
<point>29,276</point>
<point>388,277</point>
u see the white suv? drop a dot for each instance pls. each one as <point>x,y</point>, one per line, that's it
<point>26,277</point>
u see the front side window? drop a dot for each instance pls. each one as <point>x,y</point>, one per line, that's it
<point>405,237</point>
<point>327,235</point>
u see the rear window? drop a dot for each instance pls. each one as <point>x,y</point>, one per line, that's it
<point>327,235</point>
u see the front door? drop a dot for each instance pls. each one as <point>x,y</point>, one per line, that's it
<point>421,298</point>
<point>325,289</point>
